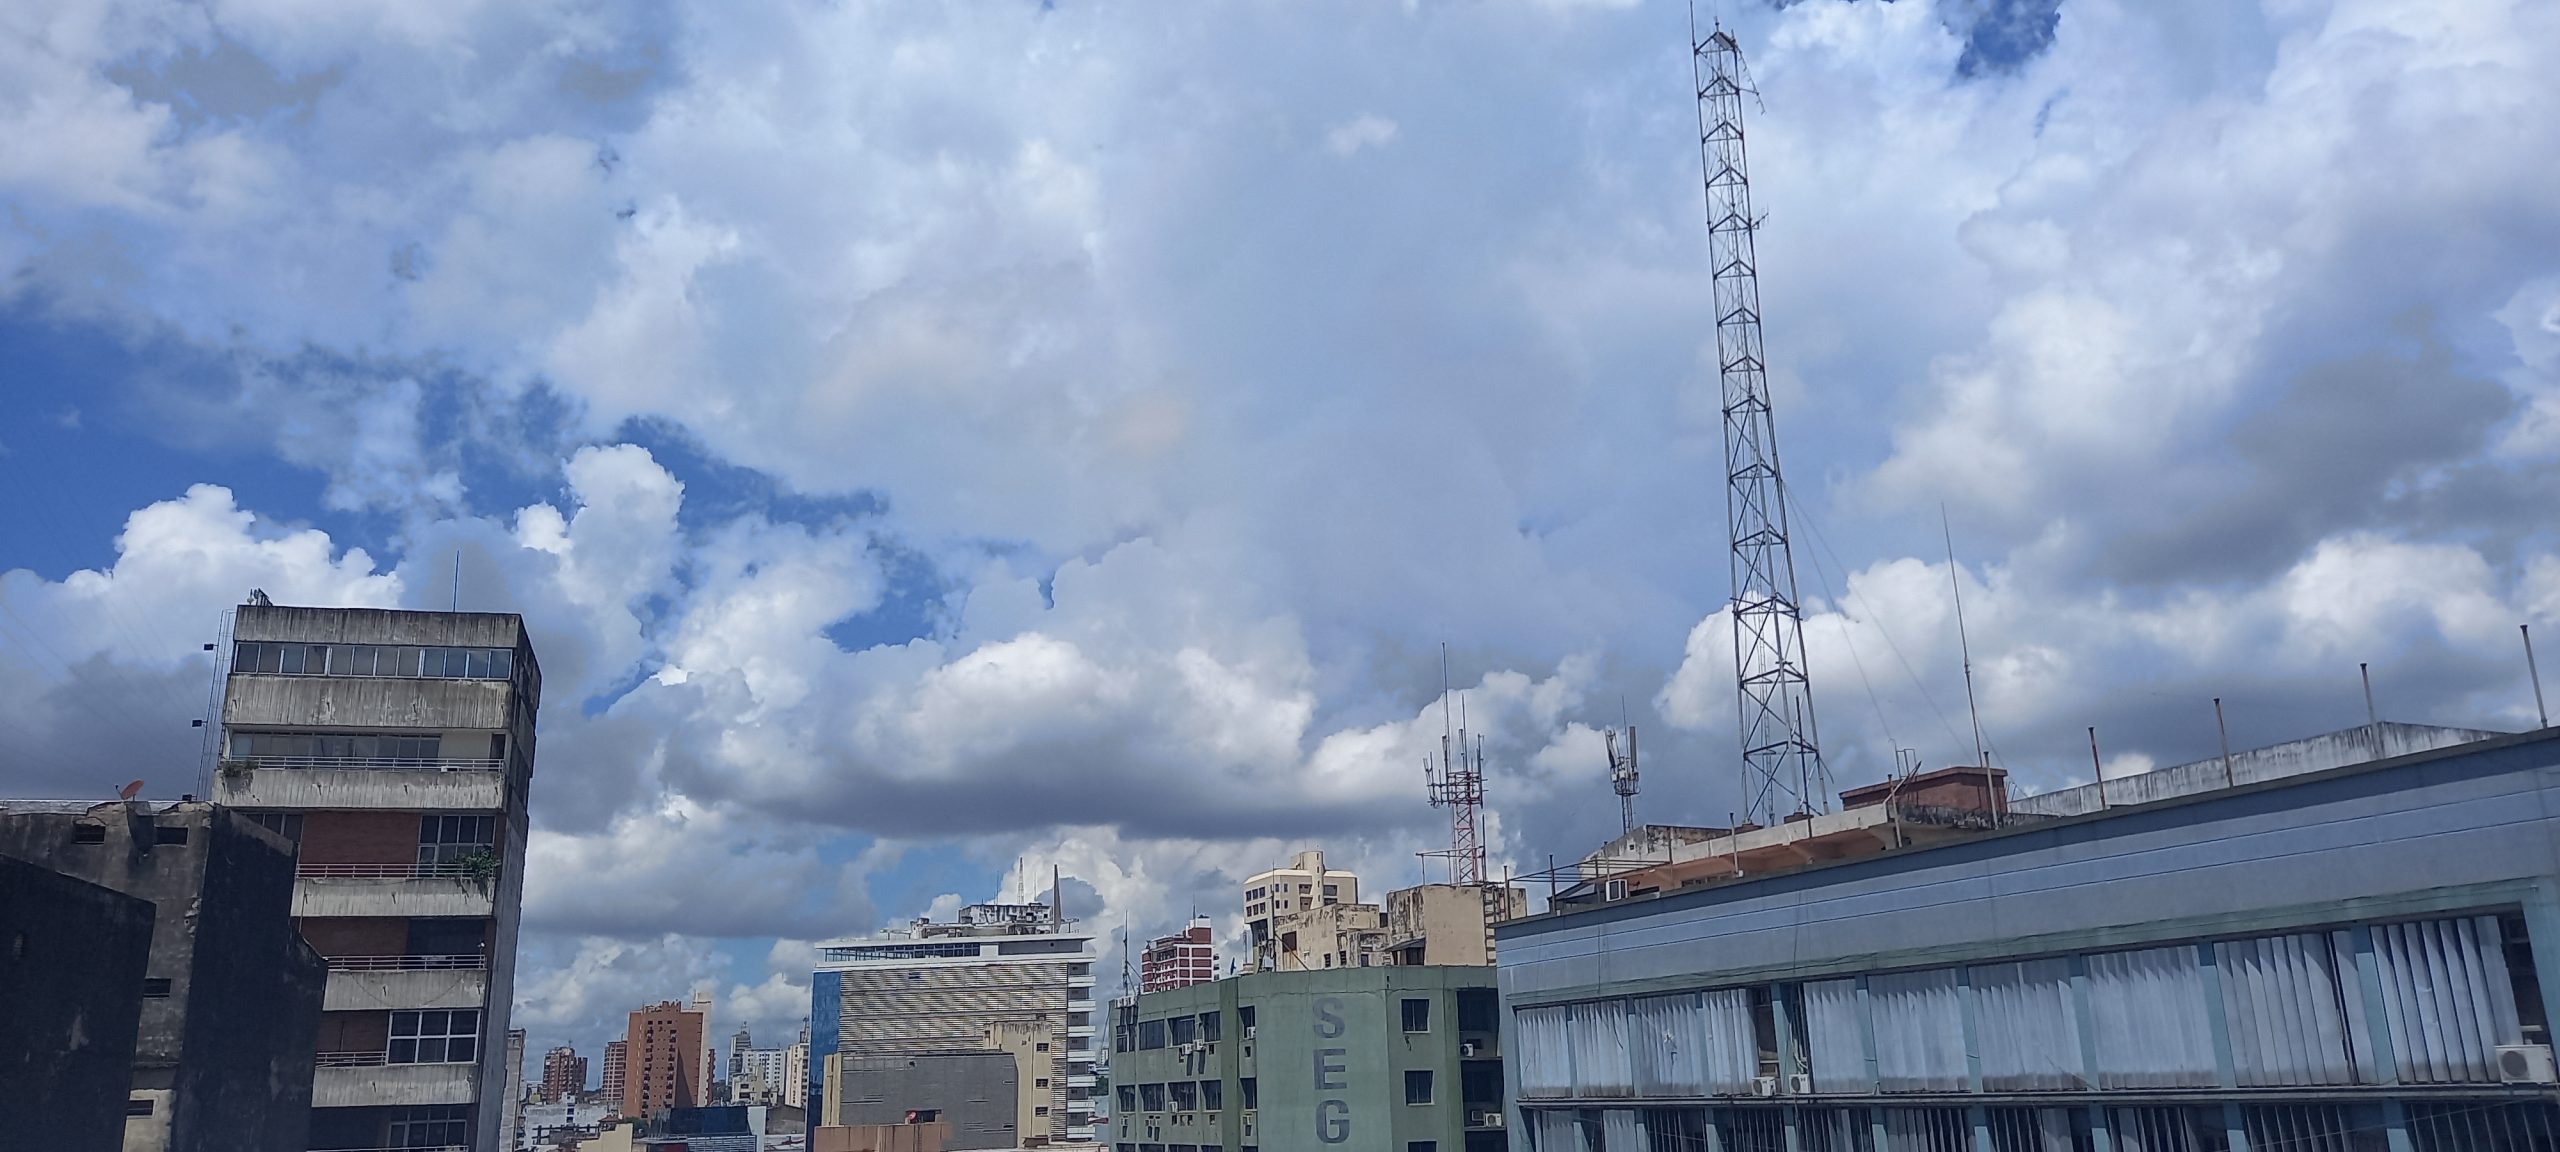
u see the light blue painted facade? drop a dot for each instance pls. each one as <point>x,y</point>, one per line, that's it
<point>2264,947</point>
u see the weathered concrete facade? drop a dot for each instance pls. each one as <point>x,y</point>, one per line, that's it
<point>1302,1061</point>
<point>2340,956</point>
<point>974,1091</point>
<point>398,747</point>
<point>72,955</point>
<point>222,1054</point>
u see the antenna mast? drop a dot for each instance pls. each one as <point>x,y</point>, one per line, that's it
<point>1457,784</point>
<point>1622,776</point>
<point>1964,644</point>
<point>1782,772</point>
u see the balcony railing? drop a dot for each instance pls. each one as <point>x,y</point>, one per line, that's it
<point>446,870</point>
<point>398,763</point>
<point>408,963</point>
<point>373,1059</point>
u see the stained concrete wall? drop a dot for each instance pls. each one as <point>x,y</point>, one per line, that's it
<point>72,957</point>
<point>975,1092</point>
<point>229,1048</point>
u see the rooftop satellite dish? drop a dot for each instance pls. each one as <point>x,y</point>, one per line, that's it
<point>129,791</point>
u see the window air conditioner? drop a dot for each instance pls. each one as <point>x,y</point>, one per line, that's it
<point>2525,1064</point>
<point>1493,1119</point>
<point>1764,1085</point>
<point>1467,1047</point>
<point>1800,1085</point>
<point>1614,890</point>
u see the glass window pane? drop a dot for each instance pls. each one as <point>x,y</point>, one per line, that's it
<point>291,659</point>
<point>459,1049</point>
<point>404,1052</point>
<point>244,656</point>
<point>501,663</point>
<point>479,663</point>
<point>457,663</point>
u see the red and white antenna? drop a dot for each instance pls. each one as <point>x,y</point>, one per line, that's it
<point>1457,784</point>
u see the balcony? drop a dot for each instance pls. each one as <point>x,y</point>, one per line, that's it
<point>362,782</point>
<point>391,890</point>
<point>364,1079</point>
<point>366,983</point>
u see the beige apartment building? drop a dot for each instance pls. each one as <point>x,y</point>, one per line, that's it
<point>1279,906</point>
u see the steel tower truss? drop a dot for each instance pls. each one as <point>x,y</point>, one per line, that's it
<point>1781,749</point>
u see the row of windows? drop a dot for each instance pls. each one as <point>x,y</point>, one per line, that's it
<point>2269,1011</point>
<point>423,750</point>
<point>917,951</point>
<point>435,1036</point>
<point>395,660</point>
<point>1210,1095</point>
<point>2437,1126</point>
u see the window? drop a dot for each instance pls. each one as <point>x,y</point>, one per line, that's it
<point>1041,1082</point>
<point>1244,1016</point>
<point>88,833</point>
<point>1185,1029</point>
<point>155,988</point>
<point>1251,1088</point>
<point>169,834</point>
<point>435,1036</point>
<point>336,750</point>
<point>448,838</point>
<point>1151,1097</point>
<point>1417,1015</point>
<point>1042,1046</point>
<point>374,660</point>
<point>1041,1110</point>
<point>431,1126</point>
<point>1421,1146</point>
<point>285,824</point>
<point>1128,1097</point>
<point>1209,1029</point>
<point>1150,1035</point>
<point>1186,1096</point>
<point>137,1106</point>
<point>1332,890</point>
<point>1417,1086</point>
<point>1213,1094</point>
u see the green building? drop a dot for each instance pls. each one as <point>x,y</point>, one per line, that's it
<point>1402,1059</point>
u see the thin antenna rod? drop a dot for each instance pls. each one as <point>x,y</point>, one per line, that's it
<point>2370,716</point>
<point>2526,630</point>
<point>1964,643</point>
<point>2099,765</point>
<point>2225,730</point>
<point>457,581</point>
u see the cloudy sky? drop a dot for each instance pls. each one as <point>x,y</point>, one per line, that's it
<point>932,443</point>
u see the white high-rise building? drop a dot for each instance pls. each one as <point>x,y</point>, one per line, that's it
<point>938,987</point>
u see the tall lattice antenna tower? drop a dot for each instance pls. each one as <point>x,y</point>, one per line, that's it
<point>1457,784</point>
<point>1781,748</point>
<point>1622,775</point>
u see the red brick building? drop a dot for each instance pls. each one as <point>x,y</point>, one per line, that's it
<point>1178,961</point>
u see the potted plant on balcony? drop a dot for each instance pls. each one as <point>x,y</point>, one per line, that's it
<point>235,771</point>
<point>479,865</point>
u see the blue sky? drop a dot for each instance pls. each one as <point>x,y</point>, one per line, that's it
<point>935,443</point>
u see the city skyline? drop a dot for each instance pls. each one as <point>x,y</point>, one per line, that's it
<point>1068,452</point>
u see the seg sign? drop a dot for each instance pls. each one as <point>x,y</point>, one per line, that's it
<point>1332,1071</point>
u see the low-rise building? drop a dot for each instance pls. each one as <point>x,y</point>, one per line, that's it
<point>2337,944</point>
<point>1405,1059</point>
<point>230,995</point>
<point>72,979</point>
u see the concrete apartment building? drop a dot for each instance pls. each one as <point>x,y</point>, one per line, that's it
<point>72,977</point>
<point>939,988</point>
<point>610,1079</point>
<point>1449,923</point>
<point>1180,960</point>
<point>1382,1059</point>
<point>2333,945</point>
<point>564,1075</point>
<point>230,996</point>
<point>1278,902</point>
<point>662,1060</point>
<point>397,749</point>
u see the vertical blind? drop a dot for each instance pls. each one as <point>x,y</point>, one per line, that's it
<point>1600,1062</point>
<point>1542,1043</point>
<point>2446,998</point>
<point>2149,1008</point>
<point>1622,1130</point>
<point>2027,1027</point>
<point>1833,1032</point>
<point>2293,1009</point>
<point>1919,1026</point>
<point>1556,1130</point>
<point>1667,1037</point>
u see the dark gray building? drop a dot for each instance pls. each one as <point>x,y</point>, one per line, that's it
<point>2294,952</point>
<point>72,956</point>
<point>230,995</point>
<point>972,1091</point>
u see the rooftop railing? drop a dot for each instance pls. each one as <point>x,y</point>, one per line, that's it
<point>408,963</point>
<point>448,870</point>
<point>369,763</point>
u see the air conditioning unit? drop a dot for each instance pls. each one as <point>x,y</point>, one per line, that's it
<point>1248,1031</point>
<point>1614,890</point>
<point>1800,1085</point>
<point>1764,1085</point>
<point>1468,1047</point>
<point>2525,1064</point>
<point>1493,1119</point>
